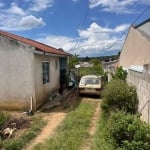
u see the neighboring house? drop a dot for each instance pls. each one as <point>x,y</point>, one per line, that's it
<point>110,67</point>
<point>135,57</point>
<point>84,65</point>
<point>136,49</point>
<point>28,69</point>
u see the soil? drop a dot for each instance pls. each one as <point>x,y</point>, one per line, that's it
<point>54,117</point>
<point>93,125</point>
<point>18,121</point>
<point>53,120</point>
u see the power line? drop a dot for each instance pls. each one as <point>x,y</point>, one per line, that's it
<point>122,34</point>
<point>82,23</point>
<point>138,17</point>
<point>142,13</point>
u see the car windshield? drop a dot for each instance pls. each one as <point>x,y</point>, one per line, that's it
<point>90,81</point>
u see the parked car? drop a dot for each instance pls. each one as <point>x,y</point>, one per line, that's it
<point>90,84</point>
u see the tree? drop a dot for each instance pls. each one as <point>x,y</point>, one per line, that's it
<point>118,95</point>
<point>120,74</point>
<point>74,60</point>
<point>95,61</point>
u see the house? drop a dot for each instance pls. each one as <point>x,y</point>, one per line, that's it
<point>29,71</point>
<point>110,67</point>
<point>135,57</point>
<point>136,49</point>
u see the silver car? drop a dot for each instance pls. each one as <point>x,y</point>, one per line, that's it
<point>90,84</point>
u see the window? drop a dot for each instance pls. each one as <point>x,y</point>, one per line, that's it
<point>56,64</point>
<point>45,67</point>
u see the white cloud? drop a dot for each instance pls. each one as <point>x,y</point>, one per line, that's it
<point>17,18</point>
<point>13,23</point>
<point>30,22</point>
<point>117,6</point>
<point>40,5</point>
<point>2,4</point>
<point>75,1</point>
<point>95,39</point>
<point>58,41</point>
<point>14,9</point>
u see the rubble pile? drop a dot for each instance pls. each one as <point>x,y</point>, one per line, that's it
<point>13,125</point>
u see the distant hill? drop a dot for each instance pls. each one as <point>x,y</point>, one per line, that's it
<point>101,58</point>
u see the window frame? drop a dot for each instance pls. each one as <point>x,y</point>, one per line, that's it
<point>45,72</point>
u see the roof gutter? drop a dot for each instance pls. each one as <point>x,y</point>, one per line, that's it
<point>40,52</point>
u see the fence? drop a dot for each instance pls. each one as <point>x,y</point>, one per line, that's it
<point>141,80</point>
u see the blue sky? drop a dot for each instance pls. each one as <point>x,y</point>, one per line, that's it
<point>85,27</point>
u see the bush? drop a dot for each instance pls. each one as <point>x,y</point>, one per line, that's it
<point>3,118</point>
<point>117,95</point>
<point>120,74</point>
<point>128,132</point>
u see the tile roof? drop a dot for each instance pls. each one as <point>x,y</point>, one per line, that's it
<point>37,45</point>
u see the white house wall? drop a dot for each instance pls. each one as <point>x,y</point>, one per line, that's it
<point>43,91</point>
<point>16,74</point>
<point>145,28</point>
<point>136,50</point>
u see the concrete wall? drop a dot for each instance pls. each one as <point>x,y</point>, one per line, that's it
<point>145,28</point>
<point>136,49</point>
<point>142,83</point>
<point>16,74</point>
<point>43,91</point>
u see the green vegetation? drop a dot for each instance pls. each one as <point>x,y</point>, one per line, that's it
<point>73,131</point>
<point>121,131</point>
<point>120,127</point>
<point>19,143</point>
<point>101,58</point>
<point>3,118</point>
<point>119,96</point>
<point>128,132</point>
<point>96,69</point>
<point>120,74</point>
<point>74,60</point>
<point>101,137</point>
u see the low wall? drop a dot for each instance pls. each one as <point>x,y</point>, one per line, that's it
<point>142,83</point>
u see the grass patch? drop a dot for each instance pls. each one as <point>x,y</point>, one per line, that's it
<point>19,143</point>
<point>73,130</point>
<point>3,118</point>
<point>100,139</point>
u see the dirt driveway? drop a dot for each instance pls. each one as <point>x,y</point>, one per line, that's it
<point>55,118</point>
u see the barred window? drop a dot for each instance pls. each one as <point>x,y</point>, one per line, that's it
<point>45,68</point>
<point>56,64</point>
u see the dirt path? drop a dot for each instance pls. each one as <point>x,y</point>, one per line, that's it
<point>93,125</point>
<point>53,120</point>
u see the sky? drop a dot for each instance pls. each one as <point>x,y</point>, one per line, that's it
<point>84,27</point>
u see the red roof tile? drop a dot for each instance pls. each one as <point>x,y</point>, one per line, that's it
<point>38,45</point>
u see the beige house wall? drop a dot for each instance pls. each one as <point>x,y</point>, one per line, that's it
<point>16,74</point>
<point>136,50</point>
<point>43,91</point>
<point>21,76</point>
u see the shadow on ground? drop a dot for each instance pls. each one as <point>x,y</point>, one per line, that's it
<point>66,102</point>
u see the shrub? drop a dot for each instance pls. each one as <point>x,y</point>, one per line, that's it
<point>118,95</point>
<point>120,73</point>
<point>3,118</point>
<point>128,132</point>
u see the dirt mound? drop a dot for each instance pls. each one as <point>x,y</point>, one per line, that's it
<point>13,125</point>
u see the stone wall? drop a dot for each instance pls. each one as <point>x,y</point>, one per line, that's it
<point>141,80</point>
